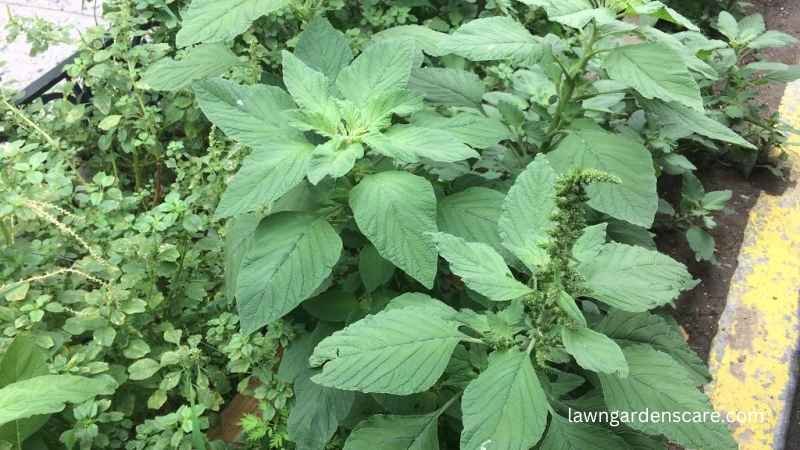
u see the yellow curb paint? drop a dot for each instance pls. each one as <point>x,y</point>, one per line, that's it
<point>754,353</point>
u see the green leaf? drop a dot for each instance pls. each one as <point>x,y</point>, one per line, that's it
<point>594,351</point>
<point>472,215</point>
<point>505,406</point>
<point>656,71</point>
<point>646,328</point>
<point>772,39</point>
<point>316,413</point>
<point>334,305</point>
<point>472,129</point>
<point>424,38</point>
<point>143,369</point>
<point>374,270</point>
<point>295,359</point>
<point>311,91</point>
<point>563,434</point>
<point>492,38</point>
<point>728,26</point>
<point>383,67</point>
<point>408,143</point>
<point>324,48</point>
<point>238,234</point>
<point>253,115</point>
<point>266,175</point>
<point>701,243</point>
<point>656,379</point>
<point>109,122</point>
<point>527,212</point>
<point>397,351</point>
<point>448,87</point>
<point>573,13</point>
<point>480,267</point>
<point>47,394</point>
<point>664,12</point>
<point>590,243</point>
<point>22,360</point>
<point>334,159</point>
<point>395,433</point>
<point>199,63</point>
<point>567,304</point>
<point>634,279</point>
<point>677,121</point>
<point>396,211</point>
<point>590,147</point>
<point>221,20</point>
<point>290,256</point>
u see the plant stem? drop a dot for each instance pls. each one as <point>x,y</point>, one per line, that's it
<point>568,87</point>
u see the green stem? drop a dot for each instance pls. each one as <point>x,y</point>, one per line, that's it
<point>568,87</point>
<point>9,237</point>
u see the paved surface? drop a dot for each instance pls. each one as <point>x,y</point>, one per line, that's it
<point>18,67</point>
<point>754,355</point>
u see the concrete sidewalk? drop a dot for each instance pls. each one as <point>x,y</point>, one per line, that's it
<point>19,68</point>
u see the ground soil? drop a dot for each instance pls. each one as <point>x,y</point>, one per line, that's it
<point>699,310</point>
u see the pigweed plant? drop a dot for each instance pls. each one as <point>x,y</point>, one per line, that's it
<point>395,225</point>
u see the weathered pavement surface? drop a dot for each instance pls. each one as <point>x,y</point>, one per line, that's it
<point>18,67</point>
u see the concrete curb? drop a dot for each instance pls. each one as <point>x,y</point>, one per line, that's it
<point>754,355</point>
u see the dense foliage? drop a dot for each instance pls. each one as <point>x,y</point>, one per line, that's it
<point>396,225</point>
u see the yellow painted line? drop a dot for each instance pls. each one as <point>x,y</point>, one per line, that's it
<point>753,357</point>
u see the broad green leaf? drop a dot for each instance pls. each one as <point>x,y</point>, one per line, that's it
<point>472,215</point>
<point>480,267</point>
<point>324,48</point>
<point>397,351</point>
<point>316,413</point>
<point>311,91</point>
<point>567,304</point>
<point>382,432</point>
<point>221,20</point>
<point>253,115</point>
<point>434,306</point>
<point>750,28</point>
<point>334,305</point>
<point>290,256</point>
<point>295,359</point>
<point>727,25</point>
<point>492,38</point>
<point>504,407</point>
<point>448,87</point>
<point>527,211</point>
<point>383,67</point>
<point>590,147</point>
<point>396,211</point>
<point>266,175</point>
<point>677,121</point>
<point>238,234</point>
<point>48,394</point>
<point>333,158</point>
<point>22,360</point>
<point>655,71</point>
<point>634,279</point>
<point>664,12</point>
<point>373,269</point>
<point>646,328</point>
<point>594,351</point>
<point>408,143</point>
<point>573,13</point>
<point>688,55</point>
<point>200,62</point>
<point>774,72</point>
<point>657,379</point>
<point>424,38</point>
<point>772,39</point>
<point>472,129</point>
<point>564,434</point>
<point>701,243</point>
<point>143,369</point>
<point>590,243</point>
